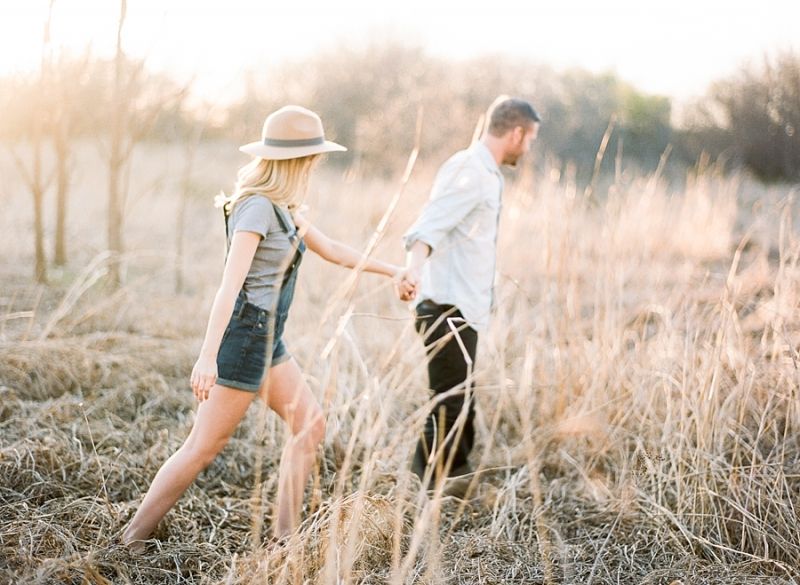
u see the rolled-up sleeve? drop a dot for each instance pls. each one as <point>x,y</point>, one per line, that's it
<point>455,193</point>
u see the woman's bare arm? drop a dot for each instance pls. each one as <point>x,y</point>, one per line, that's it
<point>340,253</point>
<point>240,256</point>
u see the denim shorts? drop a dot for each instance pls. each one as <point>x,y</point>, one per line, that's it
<point>242,352</point>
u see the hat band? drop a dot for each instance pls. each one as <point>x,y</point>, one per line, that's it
<point>291,143</point>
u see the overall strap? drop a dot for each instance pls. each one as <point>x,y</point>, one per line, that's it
<point>295,241</point>
<point>282,220</point>
<point>225,216</point>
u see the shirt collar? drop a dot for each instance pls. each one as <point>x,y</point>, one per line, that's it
<point>486,157</point>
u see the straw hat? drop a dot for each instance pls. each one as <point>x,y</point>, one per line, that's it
<point>291,132</point>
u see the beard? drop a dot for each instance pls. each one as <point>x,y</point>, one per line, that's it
<point>512,155</point>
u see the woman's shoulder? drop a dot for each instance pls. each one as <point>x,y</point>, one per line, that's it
<point>252,203</point>
<point>253,213</point>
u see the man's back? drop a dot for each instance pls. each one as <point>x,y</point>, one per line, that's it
<point>459,224</point>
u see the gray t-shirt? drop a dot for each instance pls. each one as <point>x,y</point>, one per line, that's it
<point>256,214</point>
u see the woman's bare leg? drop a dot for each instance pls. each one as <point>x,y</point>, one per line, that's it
<point>287,393</point>
<point>216,420</point>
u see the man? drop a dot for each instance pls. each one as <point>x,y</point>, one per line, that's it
<point>450,269</point>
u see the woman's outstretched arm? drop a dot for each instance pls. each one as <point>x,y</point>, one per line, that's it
<point>340,253</point>
<point>240,256</point>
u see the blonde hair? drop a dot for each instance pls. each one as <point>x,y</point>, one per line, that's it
<point>284,182</point>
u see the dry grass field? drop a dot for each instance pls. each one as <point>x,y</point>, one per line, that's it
<point>638,391</point>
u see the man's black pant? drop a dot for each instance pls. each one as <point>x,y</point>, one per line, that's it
<point>441,328</point>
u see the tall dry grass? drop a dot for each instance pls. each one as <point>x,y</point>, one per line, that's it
<point>637,395</point>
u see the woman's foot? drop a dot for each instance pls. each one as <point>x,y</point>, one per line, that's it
<point>135,546</point>
<point>132,544</point>
<point>131,541</point>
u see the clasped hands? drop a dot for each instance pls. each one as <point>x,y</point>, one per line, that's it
<point>406,283</point>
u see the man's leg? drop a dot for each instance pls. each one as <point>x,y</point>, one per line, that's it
<point>448,369</point>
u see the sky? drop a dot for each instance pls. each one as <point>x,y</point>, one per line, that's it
<point>672,48</point>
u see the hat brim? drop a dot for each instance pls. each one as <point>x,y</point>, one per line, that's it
<point>261,150</point>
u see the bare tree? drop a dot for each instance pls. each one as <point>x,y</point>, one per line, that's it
<point>128,126</point>
<point>65,89</point>
<point>117,154</point>
<point>62,152</point>
<point>35,177</point>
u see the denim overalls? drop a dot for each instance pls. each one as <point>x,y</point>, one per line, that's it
<point>242,358</point>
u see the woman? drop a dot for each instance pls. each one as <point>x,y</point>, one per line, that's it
<point>248,314</point>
